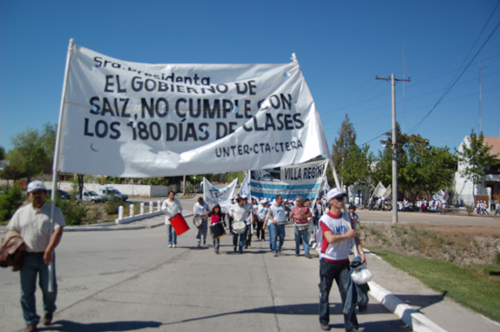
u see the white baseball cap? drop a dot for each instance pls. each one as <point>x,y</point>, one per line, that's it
<point>335,192</point>
<point>264,201</point>
<point>35,185</point>
<point>243,196</point>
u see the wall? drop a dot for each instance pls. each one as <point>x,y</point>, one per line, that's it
<point>127,189</point>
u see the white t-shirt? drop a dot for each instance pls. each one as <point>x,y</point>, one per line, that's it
<point>278,213</point>
<point>240,212</point>
<point>262,212</point>
<point>198,209</point>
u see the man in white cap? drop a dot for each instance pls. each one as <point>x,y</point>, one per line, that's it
<point>338,233</point>
<point>32,222</point>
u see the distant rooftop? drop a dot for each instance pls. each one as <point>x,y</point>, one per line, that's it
<point>494,142</point>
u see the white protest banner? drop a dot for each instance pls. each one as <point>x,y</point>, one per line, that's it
<point>299,180</point>
<point>129,119</point>
<point>213,195</point>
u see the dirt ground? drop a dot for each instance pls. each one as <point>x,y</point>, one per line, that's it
<point>462,245</point>
<point>476,231</point>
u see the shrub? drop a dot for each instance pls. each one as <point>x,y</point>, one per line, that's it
<point>470,209</point>
<point>73,211</point>
<point>10,201</point>
<point>111,206</point>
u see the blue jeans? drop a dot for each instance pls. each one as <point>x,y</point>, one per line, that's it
<point>34,265</point>
<point>242,240</point>
<point>276,231</point>
<point>172,235</point>
<point>327,273</point>
<point>305,240</point>
<point>270,236</point>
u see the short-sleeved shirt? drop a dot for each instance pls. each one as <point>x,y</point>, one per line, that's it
<point>198,209</point>
<point>240,212</point>
<point>34,226</point>
<point>300,210</point>
<point>278,213</point>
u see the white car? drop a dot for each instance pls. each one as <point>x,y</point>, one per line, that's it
<point>90,196</point>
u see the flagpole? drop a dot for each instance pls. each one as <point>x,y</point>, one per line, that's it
<point>55,164</point>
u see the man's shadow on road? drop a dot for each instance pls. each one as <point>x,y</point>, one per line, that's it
<point>67,326</point>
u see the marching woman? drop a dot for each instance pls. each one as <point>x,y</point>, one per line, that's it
<point>215,217</point>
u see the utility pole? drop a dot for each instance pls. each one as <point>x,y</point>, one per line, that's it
<point>394,146</point>
<point>480,99</point>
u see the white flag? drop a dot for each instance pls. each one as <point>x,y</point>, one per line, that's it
<point>213,195</point>
<point>129,119</point>
<point>245,186</point>
<point>379,190</point>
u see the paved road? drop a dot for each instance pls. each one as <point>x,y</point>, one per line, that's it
<point>131,281</point>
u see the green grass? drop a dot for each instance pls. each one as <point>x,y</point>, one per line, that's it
<point>472,287</point>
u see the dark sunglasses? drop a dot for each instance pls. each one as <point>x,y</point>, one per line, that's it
<point>339,198</point>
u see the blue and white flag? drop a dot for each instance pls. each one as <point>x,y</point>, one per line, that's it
<point>213,195</point>
<point>299,180</point>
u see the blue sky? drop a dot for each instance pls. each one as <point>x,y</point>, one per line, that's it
<point>341,46</point>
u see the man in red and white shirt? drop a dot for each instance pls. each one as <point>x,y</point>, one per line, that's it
<point>338,233</point>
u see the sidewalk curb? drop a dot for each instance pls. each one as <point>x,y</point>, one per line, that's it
<point>411,317</point>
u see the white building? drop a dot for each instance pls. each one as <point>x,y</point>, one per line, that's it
<point>491,182</point>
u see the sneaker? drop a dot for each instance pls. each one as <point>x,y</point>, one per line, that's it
<point>235,248</point>
<point>47,319</point>
<point>279,252</point>
<point>296,255</point>
<point>276,255</point>
<point>170,246</point>
<point>173,245</point>
<point>308,256</point>
<point>324,327</point>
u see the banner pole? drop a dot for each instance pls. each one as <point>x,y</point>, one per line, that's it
<point>55,164</point>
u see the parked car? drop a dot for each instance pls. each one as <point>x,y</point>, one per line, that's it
<point>107,192</point>
<point>90,196</point>
<point>60,193</point>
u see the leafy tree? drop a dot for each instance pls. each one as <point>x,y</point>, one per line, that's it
<point>475,157</point>
<point>351,161</point>
<point>342,148</point>
<point>10,201</point>
<point>28,154</point>
<point>11,173</point>
<point>2,153</point>
<point>421,167</point>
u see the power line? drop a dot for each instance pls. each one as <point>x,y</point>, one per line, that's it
<point>456,80</point>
